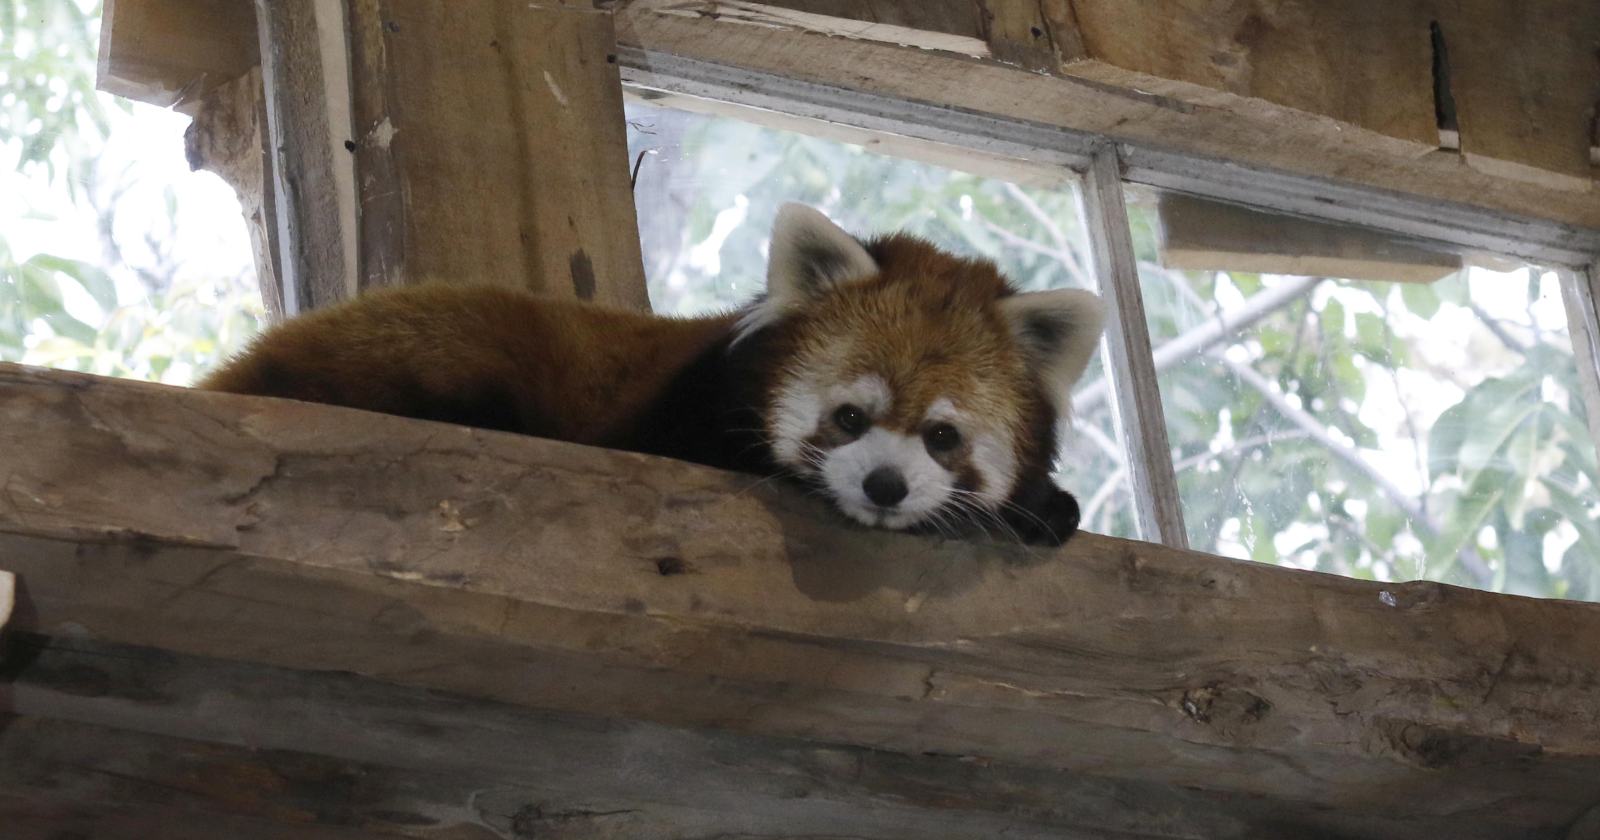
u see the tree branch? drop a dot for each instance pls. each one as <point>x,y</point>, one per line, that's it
<point>1318,432</point>
<point>1067,261</point>
<point>1203,337</point>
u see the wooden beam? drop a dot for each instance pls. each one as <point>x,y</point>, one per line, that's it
<point>567,578</point>
<point>1175,135</point>
<point>1215,236</point>
<point>1197,133</point>
<point>1526,82</point>
<point>111,726</point>
<point>1022,167</point>
<point>1365,63</point>
<point>948,25</point>
<point>172,52</point>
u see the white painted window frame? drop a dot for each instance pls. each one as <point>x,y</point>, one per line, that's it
<point>1105,167</point>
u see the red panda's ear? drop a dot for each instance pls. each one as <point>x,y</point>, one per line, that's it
<point>1058,330</point>
<point>810,255</point>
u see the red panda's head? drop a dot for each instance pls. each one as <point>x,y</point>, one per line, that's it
<point>912,385</point>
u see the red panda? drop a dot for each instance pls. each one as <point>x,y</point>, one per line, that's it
<point>917,389</point>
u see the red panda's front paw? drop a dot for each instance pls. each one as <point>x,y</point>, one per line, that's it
<point>1050,521</point>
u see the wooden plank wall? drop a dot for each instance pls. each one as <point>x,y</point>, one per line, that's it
<point>1523,75</point>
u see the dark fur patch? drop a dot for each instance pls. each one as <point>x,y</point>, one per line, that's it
<point>820,262</point>
<point>1045,331</point>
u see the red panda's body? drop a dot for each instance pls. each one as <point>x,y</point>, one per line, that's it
<point>916,388</point>
<point>490,357</point>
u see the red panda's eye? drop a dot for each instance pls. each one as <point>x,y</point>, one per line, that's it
<point>850,420</point>
<point>941,437</point>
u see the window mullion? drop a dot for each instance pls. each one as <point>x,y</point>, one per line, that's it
<point>1579,293</point>
<point>1135,393</point>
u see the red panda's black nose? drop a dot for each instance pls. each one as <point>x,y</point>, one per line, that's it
<point>885,486</point>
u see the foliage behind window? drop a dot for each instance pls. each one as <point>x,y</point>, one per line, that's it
<point>113,258</point>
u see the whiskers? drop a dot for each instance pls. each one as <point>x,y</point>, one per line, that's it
<point>980,511</point>
<point>806,479</point>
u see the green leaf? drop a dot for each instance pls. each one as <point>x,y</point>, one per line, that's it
<point>93,281</point>
<point>1468,418</point>
<point>1349,377</point>
<point>1523,457</point>
<point>1463,521</point>
<point>40,293</point>
<point>1485,439</point>
<point>1371,334</point>
<point>1258,536</point>
<point>1420,298</point>
<point>1333,321</point>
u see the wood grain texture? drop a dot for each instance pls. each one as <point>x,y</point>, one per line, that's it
<point>491,146</point>
<point>173,52</point>
<point>1197,234</point>
<point>1362,62</point>
<point>110,726</point>
<point>565,578</point>
<point>1526,81</point>
<point>303,61</point>
<point>1315,65</point>
<point>1037,35</point>
<point>949,25</point>
<point>1119,105</point>
<point>1049,174</point>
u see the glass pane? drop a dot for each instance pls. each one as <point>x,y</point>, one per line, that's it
<point>115,258</point>
<point>1422,421</point>
<point>708,188</point>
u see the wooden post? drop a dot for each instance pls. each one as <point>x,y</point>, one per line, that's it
<point>476,141</point>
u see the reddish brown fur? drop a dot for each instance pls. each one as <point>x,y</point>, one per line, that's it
<point>929,324</point>
<point>482,355</point>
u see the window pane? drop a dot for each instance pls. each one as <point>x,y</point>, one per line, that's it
<point>1342,401</point>
<point>115,258</point>
<point>708,188</point>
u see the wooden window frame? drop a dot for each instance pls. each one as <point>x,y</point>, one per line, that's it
<point>1106,167</point>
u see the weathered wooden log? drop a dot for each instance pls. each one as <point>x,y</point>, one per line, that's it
<point>112,726</point>
<point>567,578</point>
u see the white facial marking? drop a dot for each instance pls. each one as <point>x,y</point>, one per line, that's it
<point>799,409</point>
<point>794,418</point>
<point>945,411</point>
<point>869,393</point>
<point>992,456</point>
<point>996,463</point>
<point>846,467</point>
